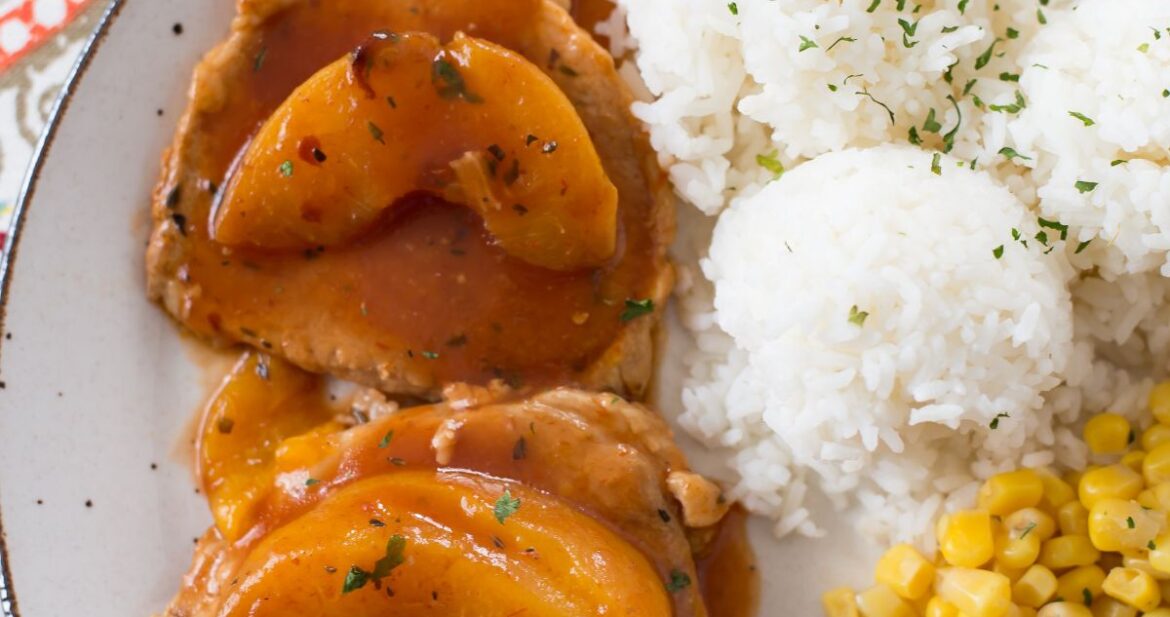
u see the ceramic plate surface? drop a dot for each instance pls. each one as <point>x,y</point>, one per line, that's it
<point>97,500</point>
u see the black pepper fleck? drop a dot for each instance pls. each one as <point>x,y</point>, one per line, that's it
<point>177,29</point>
<point>89,503</point>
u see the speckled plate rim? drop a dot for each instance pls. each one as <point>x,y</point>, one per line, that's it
<point>8,604</point>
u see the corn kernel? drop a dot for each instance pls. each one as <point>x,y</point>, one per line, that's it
<point>1155,436</point>
<point>1016,551</point>
<point>1158,612</point>
<point>1108,607</point>
<point>976,593</point>
<point>1111,482</point>
<point>938,607</point>
<point>1134,587</point>
<point>1025,611</point>
<point>1030,521</point>
<point>966,540</point>
<point>1073,518</point>
<point>882,601</point>
<point>1005,493</point>
<point>1159,555</point>
<point>1012,574</point>
<point>1140,561</point>
<point>840,602</point>
<point>1107,433</point>
<point>1120,525</point>
<point>1068,552</point>
<point>1064,609</point>
<point>905,571</point>
<point>1081,584</point>
<point>1156,467</point>
<point>1133,459</point>
<point>1035,587</point>
<point>1160,402</point>
<point>1057,492</point>
<point>1148,499</point>
<point>1162,495</point>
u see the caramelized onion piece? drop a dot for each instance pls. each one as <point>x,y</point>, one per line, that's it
<point>471,121</point>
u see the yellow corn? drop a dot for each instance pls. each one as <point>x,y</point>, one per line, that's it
<point>1107,433</point>
<point>1068,552</point>
<point>1155,436</point>
<point>1160,402</point>
<point>1108,607</point>
<point>1158,612</point>
<point>1156,466</point>
<point>1159,555</point>
<point>905,571</point>
<point>881,601</point>
<point>1081,584</point>
<point>1057,492</point>
<point>1140,561</point>
<point>1030,522</point>
<point>1134,587</point>
<point>1121,525</point>
<point>1111,482</point>
<point>840,602</point>
<point>1161,495</point>
<point>1035,587</point>
<point>1133,459</point>
<point>966,539</point>
<point>1024,611</point>
<point>1148,499</point>
<point>1005,493</point>
<point>1016,551</point>
<point>938,607</point>
<point>976,593</point>
<point>1073,518</point>
<point>1064,609</point>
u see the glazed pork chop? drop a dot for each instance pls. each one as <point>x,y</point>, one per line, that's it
<point>566,503</point>
<point>419,291</point>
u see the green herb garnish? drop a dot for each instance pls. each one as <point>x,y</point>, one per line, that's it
<point>386,439</point>
<point>505,506</point>
<point>995,421</point>
<point>636,309</point>
<point>449,82</point>
<point>678,580</point>
<point>1011,153</point>
<point>857,317</point>
<point>1087,121</point>
<point>286,169</point>
<point>771,163</point>
<point>806,43</point>
<point>1085,187</point>
<point>997,251</point>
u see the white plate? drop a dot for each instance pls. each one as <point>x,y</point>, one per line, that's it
<point>98,385</point>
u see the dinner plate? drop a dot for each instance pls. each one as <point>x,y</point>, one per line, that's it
<point>97,499</point>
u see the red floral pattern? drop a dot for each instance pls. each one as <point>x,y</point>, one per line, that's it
<point>25,24</point>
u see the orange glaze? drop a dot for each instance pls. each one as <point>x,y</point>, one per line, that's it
<point>589,13</point>
<point>595,531</point>
<point>469,120</point>
<point>429,287</point>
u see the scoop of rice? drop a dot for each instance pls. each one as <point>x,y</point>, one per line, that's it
<point>1096,130</point>
<point>774,82</point>
<point>883,320</point>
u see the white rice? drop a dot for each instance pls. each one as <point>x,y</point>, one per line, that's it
<point>780,380</point>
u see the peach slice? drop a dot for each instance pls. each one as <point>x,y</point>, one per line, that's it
<point>440,543</point>
<point>470,121</point>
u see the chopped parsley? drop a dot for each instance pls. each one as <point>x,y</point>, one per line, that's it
<point>386,439</point>
<point>376,133</point>
<point>1011,108</point>
<point>873,6</point>
<point>1040,17</point>
<point>908,30</point>
<point>1027,530</point>
<point>771,163</point>
<point>1117,162</point>
<point>355,579</point>
<point>1005,76</point>
<point>843,39</point>
<point>935,164</point>
<point>1056,225</point>
<point>930,125</point>
<point>1012,33</point>
<point>449,82</point>
<point>806,43</point>
<point>1010,153</point>
<point>995,421</point>
<point>733,7</point>
<point>395,547</point>
<point>312,481</point>
<point>1129,522</point>
<point>636,309</point>
<point>1087,121</point>
<point>258,61</point>
<point>985,57</point>
<point>997,251</point>
<point>286,169</point>
<point>889,111</point>
<point>857,317</point>
<point>505,506</point>
<point>1150,545</point>
<point>678,580</point>
<point>1144,47</point>
<point>430,355</point>
<point>963,6</point>
<point>1085,187</point>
